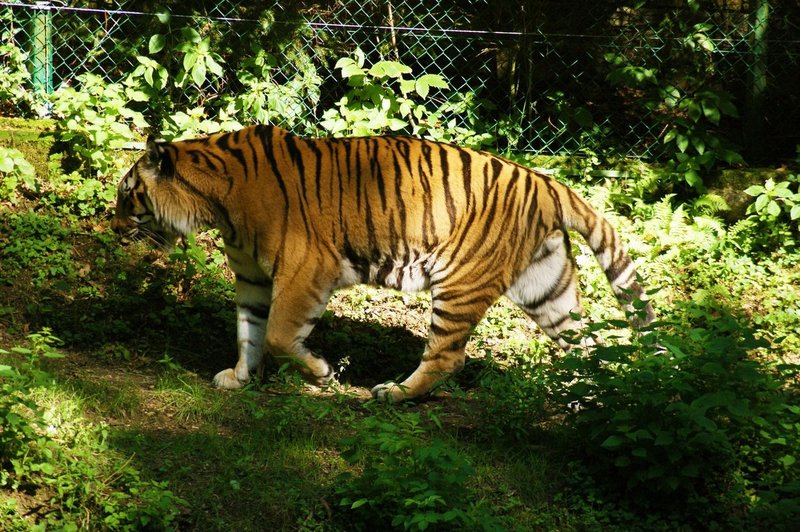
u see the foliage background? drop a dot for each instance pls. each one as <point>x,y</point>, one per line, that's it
<point>107,418</point>
<point>551,77</point>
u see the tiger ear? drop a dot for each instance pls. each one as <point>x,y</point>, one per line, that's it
<point>157,157</point>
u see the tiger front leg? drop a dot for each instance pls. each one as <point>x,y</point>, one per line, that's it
<point>252,312</point>
<point>294,314</point>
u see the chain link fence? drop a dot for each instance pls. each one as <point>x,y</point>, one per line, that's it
<point>540,68</point>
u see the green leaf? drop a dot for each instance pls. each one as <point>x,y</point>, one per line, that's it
<point>163,17</point>
<point>396,124</point>
<point>189,60</point>
<point>664,438</point>
<point>214,67</point>
<point>795,212</point>
<point>787,460</point>
<point>204,46</point>
<point>694,179</point>
<point>425,82</point>
<point>754,190</point>
<point>349,68</point>
<point>199,72</point>
<point>699,145</point>
<point>190,35</point>
<point>773,209</point>
<point>156,43</point>
<point>711,111</point>
<point>783,190</point>
<point>6,165</point>
<point>727,107</point>
<point>612,442</point>
<point>389,69</point>
<point>682,142</point>
<point>359,503</point>
<point>694,109</point>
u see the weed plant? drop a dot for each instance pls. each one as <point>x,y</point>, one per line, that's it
<point>48,446</point>
<point>693,423</point>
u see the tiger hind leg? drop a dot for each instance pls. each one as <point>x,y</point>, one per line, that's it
<point>547,291</point>
<point>454,314</point>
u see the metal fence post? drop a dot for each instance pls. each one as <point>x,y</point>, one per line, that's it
<point>754,113</point>
<point>41,58</point>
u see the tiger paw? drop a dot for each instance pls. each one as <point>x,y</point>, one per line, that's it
<point>389,392</point>
<point>227,379</point>
<point>319,374</point>
<point>322,382</point>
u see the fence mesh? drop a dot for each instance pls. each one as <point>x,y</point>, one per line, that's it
<point>542,67</point>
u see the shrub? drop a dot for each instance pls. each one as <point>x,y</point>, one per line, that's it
<point>406,481</point>
<point>684,420</point>
<point>775,213</point>
<point>15,171</point>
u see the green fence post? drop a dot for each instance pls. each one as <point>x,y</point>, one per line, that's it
<point>754,114</point>
<point>41,39</point>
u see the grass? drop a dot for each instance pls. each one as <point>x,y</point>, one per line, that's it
<point>130,434</point>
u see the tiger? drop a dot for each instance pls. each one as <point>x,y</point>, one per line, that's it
<point>302,217</point>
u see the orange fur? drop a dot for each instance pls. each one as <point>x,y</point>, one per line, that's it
<point>302,217</point>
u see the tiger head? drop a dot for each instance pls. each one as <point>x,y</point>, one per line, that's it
<point>137,215</point>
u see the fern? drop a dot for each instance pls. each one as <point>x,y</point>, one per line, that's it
<point>709,204</point>
<point>671,231</point>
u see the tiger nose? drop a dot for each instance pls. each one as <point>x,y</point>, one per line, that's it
<point>120,225</point>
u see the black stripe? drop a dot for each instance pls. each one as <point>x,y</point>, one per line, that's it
<point>377,173</point>
<point>617,267</point>
<point>223,142</point>
<point>402,149</point>
<point>359,263</point>
<point>259,311</point>
<point>312,146</point>
<point>448,196</point>
<point>428,224</point>
<point>555,324</point>
<point>254,282</point>
<point>266,134</point>
<point>466,170</point>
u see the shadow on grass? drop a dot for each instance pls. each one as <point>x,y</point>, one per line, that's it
<point>130,307</point>
<point>254,478</point>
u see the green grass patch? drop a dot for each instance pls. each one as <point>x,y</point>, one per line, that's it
<point>109,421</point>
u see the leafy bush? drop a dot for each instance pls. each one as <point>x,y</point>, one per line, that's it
<point>74,194</point>
<point>42,447</point>
<point>380,99</point>
<point>96,121</point>
<point>407,482</point>
<point>680,92</point>
<point>14,75</point>
<point>511,399</point>
<point>24,445</point>
<point>36,244</point>
<point>15,171</point>
<point>684,421</point>
<point>21,422</point>
<point>776,212</point>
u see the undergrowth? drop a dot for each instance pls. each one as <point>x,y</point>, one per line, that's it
<point>109,423</point>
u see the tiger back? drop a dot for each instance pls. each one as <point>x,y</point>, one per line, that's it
<point>302,217</point>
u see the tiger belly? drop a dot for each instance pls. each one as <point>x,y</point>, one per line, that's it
<point>411,276</point>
